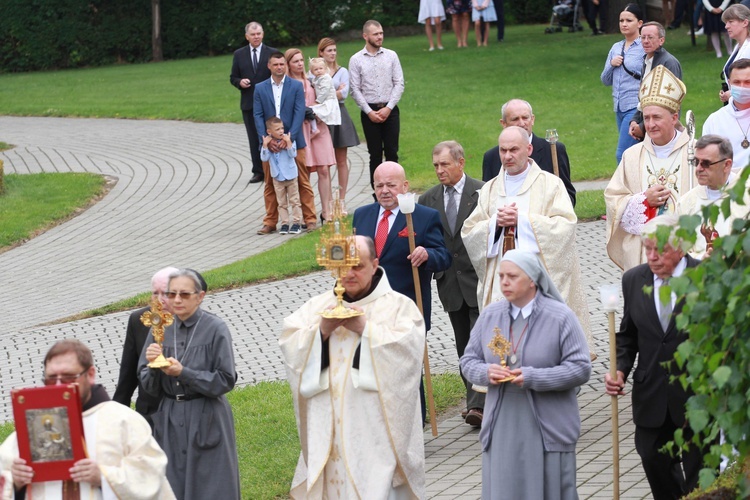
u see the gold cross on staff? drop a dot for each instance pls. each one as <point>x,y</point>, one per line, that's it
<point>157,320</point>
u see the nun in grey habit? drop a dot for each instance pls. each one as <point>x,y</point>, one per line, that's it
<point>531,423</point>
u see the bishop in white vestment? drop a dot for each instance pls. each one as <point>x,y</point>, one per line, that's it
<point>652,175</point>
<point>354,385</point>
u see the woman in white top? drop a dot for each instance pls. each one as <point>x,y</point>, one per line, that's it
<point>736,20</point>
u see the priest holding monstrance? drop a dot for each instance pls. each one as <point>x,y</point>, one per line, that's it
<point>354,364</point>
<point>530,350</point>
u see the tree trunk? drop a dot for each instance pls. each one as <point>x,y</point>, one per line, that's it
<point>157,54</point>
<point>614,7</point>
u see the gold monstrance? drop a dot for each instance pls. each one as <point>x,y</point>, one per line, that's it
<point>157,319</point>
<point>500,346</point>
<point>337,252</point>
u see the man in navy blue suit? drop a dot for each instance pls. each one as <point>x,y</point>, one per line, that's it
<point>291,109</point>
<point>249,68</point>
<point>430,254</point>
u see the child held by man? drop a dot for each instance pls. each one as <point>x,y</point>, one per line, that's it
<point>284,173</point>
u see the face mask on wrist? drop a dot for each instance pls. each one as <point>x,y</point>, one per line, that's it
<point>740,95</point>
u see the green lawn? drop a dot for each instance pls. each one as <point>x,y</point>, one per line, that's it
<point>267,442</point>
<point>32,203</point>
<point>450,94</point>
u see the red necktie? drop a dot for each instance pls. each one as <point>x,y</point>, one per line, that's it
<point>382,233</point>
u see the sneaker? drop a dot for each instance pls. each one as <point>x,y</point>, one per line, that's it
<point>295,229</point>
<point>284,229</point>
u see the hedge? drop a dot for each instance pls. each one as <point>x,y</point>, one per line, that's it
<point>55,34</point>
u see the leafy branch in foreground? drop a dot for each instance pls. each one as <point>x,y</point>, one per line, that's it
<point>716,356</point>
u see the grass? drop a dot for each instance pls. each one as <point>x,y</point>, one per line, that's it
<point>32,203</point>
<point>590,205</point>
<point>267,442</point>
<point>450,94</point>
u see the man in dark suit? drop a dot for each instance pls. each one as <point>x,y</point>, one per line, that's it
<point>249,68</point>
<point>291,110</point>
<point>517,112</point>
<point>135,337</point>
<point>648,330</point>
<point>386,225</point>
<point>457,285</point>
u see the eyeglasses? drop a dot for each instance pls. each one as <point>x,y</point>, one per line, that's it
<point>63,379</point>
<point>705,163</point>
<point>183,295</point>
<point>649,38</point>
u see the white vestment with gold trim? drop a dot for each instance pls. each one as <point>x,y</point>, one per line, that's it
<point>546,226</point>
<point>360,429</point>
<point>627,211</point>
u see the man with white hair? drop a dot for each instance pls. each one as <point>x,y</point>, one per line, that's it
<point>135,337</point>
<point>648,330</point>
<point>518,112</point>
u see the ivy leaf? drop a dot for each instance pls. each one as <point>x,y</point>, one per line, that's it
<point>721,375</point>
<point>698,419</point>
<point>706,477</point>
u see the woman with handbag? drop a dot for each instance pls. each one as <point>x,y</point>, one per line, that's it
<point>622,72</point>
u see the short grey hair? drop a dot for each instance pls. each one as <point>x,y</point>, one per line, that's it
<point>505,107</point>
<point>454,148</point>
<point>187,273</point>
<point>251,25</point>
<point>671,221</point>
<point>659,28</point>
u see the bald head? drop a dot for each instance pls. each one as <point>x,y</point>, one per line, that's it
<point>515,150</point>
<point>358,279</point>
<point>389,180</point>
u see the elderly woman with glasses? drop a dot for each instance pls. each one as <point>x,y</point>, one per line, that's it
<point>194,424</point>
<point>531,353</point>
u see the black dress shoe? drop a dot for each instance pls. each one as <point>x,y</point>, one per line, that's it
<point>256,178</point>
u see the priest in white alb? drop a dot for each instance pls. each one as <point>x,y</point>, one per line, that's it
<point>354,384</point>
<point>653,174</point>
<point>713,171</point>
<point>124,460</point>
<point>529,209</point>
<point>733,120</point>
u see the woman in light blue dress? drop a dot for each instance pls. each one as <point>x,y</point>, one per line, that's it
<point>483,13</point>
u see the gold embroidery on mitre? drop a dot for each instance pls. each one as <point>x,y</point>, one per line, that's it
<point>662,88</point>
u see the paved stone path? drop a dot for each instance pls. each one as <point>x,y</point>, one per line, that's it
<point>196,170</point>
<point>189,174</point>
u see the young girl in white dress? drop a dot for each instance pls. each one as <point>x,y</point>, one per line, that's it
<point>327,109</point>
<point>482,13</point>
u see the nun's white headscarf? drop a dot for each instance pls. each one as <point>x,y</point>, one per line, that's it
<point>530,264</point>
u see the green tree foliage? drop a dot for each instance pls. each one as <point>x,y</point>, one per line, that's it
<point>53,34</point>
<point>716,356</point>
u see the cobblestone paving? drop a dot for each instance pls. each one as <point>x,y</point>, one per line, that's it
<point>193,176</point>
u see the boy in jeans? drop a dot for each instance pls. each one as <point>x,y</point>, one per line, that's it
<point>284,173</point>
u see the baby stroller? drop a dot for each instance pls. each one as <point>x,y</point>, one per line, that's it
<point>564,14</point>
